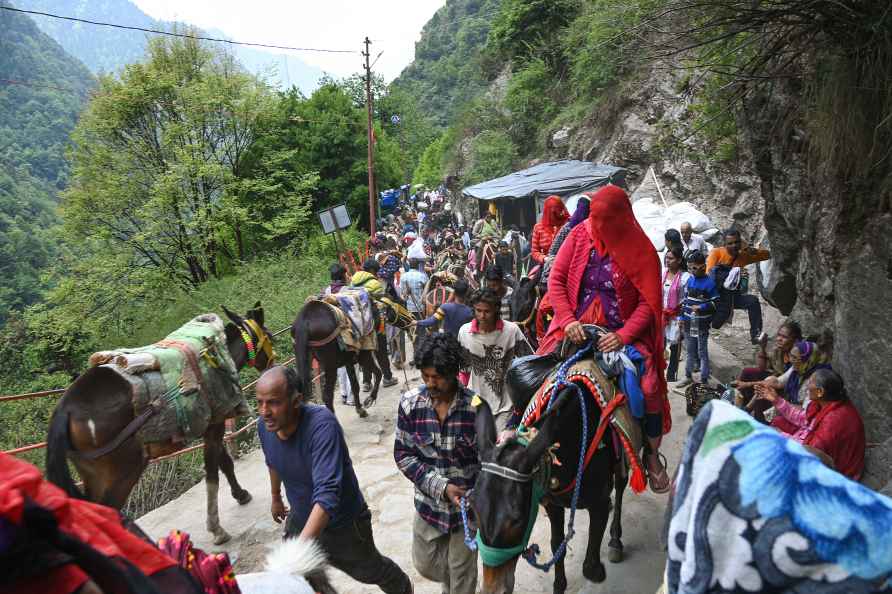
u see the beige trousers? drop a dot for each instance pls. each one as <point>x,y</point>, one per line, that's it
<point>444,558</point>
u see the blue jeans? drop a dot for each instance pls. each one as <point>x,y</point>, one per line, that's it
<point>698,349</point>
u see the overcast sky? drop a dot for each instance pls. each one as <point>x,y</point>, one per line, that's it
<point>393,26</point>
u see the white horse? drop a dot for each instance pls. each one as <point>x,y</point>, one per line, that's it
<point>290,568</point>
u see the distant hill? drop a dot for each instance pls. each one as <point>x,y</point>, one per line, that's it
<point>107,49</point>
<point>42,92</point>
<point>447,70</point>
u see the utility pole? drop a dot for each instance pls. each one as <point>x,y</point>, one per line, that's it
<point>371,134</point>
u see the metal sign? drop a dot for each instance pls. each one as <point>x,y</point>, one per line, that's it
<point>394,119</point>
<point>334,218</point>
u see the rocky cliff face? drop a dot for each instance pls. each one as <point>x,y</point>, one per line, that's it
<point>832,260</point>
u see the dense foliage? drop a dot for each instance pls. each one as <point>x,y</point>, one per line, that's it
<point>527,68</point>
<point>41,95</point>
<point>449,69</point>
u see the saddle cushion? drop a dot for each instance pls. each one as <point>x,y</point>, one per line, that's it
<point>353,309</point>
<point>587,374</point>
<point>189,376</point>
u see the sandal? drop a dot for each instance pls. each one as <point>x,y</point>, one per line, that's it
<point>659,481</point>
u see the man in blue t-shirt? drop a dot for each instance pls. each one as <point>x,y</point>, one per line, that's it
<point>305,450</point>
<point>453,314</point>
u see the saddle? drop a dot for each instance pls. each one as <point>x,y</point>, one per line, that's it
<point>189,378</point>
<point>530,382</point>
<point>356,316</point>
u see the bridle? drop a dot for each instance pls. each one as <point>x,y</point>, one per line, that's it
<point>253,332</point>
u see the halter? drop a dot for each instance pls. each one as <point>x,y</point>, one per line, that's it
<point>263,343</point>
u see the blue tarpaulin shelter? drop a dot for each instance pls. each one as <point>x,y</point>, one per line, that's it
<point>519,195</point>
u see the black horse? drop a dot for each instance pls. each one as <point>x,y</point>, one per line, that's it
<point>502,506</point>
<point>315,332</point>
<point>525,304</point>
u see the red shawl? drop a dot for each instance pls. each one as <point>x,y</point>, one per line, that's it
<point>612,228</point>
<point>94,524</point>
<point>554,215</point>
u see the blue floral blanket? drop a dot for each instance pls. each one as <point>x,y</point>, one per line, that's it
<point>753,511</point>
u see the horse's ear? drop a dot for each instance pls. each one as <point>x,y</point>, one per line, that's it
<point>236,319</point>
<point>258,313</point>
<point>547,433</point>
<point>485,426</point>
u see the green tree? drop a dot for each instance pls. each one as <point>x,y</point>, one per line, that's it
<point>492,155</point>
<point>430,167</point>
<point>161,177</point>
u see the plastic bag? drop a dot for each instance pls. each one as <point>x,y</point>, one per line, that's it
<point>526,375</point>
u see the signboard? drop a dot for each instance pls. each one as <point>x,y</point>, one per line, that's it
<point>334,218</point>
<point>341,216</point>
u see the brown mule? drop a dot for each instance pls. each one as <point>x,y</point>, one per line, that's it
<point>97,410</point>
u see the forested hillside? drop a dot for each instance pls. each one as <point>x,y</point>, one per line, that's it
<point>448,69</point>
<point>41,95</point>
<point>108,49</point>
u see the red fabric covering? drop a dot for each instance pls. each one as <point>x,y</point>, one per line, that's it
<point>837,430</point>
<point>612,227</point>
<point>91,523</point>
<point>554,215</point>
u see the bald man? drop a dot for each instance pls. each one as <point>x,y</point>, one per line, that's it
<point>305,450</point>
<point>690,241</point>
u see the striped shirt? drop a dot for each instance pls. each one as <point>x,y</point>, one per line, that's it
<point>432,455</point>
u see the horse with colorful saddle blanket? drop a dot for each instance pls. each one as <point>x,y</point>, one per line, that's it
<point>190,373</point>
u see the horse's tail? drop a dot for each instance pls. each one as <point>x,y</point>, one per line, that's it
<point>300,333</point>
<point>57,446</point>
<point>301,557</point>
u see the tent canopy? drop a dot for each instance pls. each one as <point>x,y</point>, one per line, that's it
<point>558,177</point>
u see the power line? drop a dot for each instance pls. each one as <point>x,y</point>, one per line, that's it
<point>172,34</point>
<point>33,85</point>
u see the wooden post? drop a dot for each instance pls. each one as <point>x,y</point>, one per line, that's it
<point>371,139</point>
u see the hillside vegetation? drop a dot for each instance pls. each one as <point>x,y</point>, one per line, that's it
<point>41,96</point>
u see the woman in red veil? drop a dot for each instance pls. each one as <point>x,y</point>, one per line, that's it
<point>607,272</point>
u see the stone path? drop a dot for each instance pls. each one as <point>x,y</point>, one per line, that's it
<point>389,496</point>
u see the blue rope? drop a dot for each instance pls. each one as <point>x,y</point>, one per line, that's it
<point>469,540</point>
<point>533,550</point>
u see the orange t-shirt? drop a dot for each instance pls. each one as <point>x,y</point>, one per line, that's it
<point>746,257</point>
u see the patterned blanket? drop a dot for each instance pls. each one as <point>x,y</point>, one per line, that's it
<point>190,374</point>
<point>353,308</point>
<point>753,511</point>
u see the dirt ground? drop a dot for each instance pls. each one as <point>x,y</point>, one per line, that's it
<point>389,496</point>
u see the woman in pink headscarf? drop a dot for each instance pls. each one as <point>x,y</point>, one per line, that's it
<point>607,272</point>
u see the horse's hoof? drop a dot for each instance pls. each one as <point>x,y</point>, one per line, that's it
<point>595,574</point>
<point>614,555</point>
<point>368,402</point>
<point>221,537</point>
<point>362,413</point>
<point>243,498</point>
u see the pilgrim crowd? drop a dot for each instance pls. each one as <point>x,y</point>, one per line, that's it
<point>595,267</point>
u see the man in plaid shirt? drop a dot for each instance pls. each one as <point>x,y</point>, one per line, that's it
<point>436,449</point>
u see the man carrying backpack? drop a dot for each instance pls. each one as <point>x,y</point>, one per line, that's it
<point>730,262</point>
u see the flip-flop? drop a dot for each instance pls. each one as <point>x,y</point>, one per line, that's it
<point>660,482</point>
